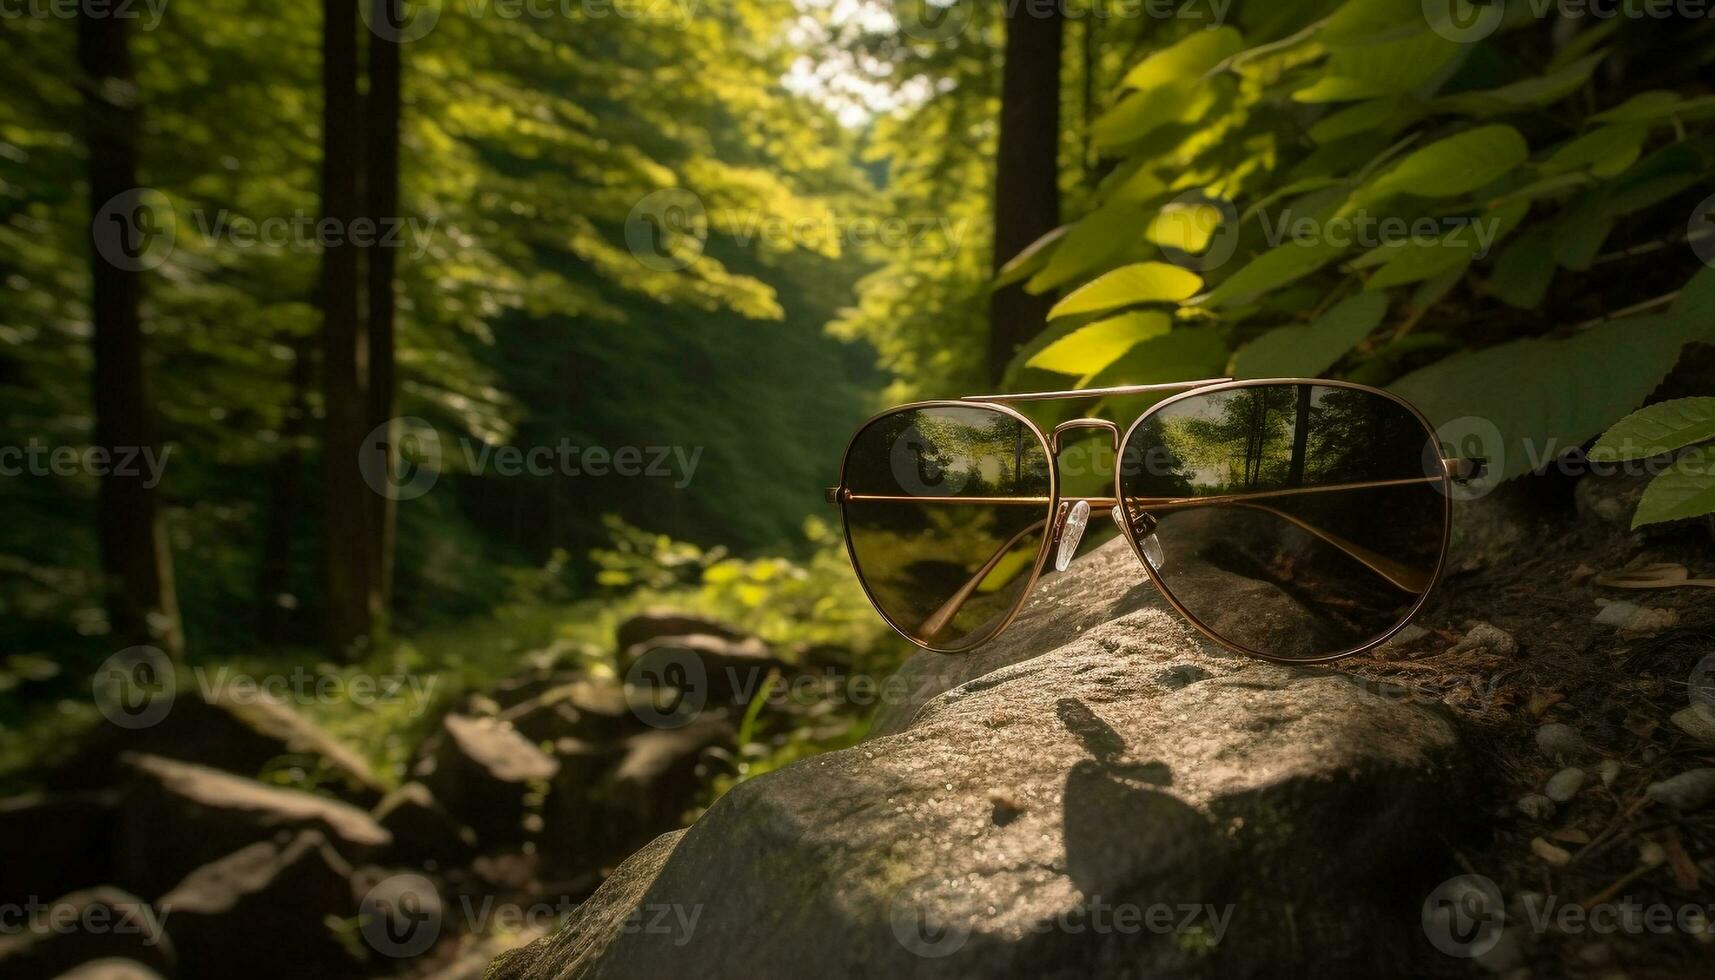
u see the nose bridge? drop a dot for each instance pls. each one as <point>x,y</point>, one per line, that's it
<point>1054,438</point>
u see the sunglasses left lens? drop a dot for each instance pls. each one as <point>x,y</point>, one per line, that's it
<point>946,508</point>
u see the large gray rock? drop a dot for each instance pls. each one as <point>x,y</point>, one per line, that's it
<point>242,732</point>
<point>1098,793</point>
<point>484,772</point>
<point>177,817</point>
<point>53,844</point>
<point>44,939</point>
<point>264,911</point>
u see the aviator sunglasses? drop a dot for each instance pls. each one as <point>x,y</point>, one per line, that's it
<point>1295,520</point>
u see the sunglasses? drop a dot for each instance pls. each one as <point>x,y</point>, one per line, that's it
<point>1296,520</point>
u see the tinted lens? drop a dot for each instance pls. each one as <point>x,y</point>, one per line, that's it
<point>946,511</point>
<point>1296,521</point>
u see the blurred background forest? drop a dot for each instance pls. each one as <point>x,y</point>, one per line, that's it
<point>446,337</point>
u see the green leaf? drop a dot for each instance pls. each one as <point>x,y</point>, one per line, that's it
<point>1415,259</point>
<point>1188,59</point>
<point>1455,165</point>
<point>1657,429</point>
<point>1141,113</point>
<point>1643,107</point>
<point>1094,346</point>
<point>1532,93</point>
<point>1096,238</point>
<point>1143,282</point>
<point>1029,260</point>
<point>1687,489</point>
<point>1308,350</point>
<point>1189,352</point>
<point>1184,226</point>
<point>1547,397</point>
<point>1395,66</point>
<point>1385,114</point>
<point>1524,271</point>
<point>1606,152</point>
<point>1579,235</point>
<point>1271,270</point>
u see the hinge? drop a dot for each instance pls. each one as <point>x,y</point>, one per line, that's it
<point>1464,471</point>
<point>831,495</point>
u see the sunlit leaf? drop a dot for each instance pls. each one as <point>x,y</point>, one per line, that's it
<point>1307,350</point>
<point>1687,489</point>
<point>1143,282</point>
<point>1096,345</point>
<point>1455,165</point>
<point>1657,429</point>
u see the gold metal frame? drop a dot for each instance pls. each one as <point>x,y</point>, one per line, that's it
<point>1451,470</point>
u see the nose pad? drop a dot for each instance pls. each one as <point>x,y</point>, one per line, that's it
<point>1071,532</point>
<point>1150,545</point>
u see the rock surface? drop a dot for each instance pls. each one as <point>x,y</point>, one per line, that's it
<point>295,889</point>
<point>1097,793</point>
<point>97,923</point>
<point>482,771</point>
<point>178,817</point>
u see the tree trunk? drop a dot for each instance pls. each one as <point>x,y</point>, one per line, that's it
<point>382,174</point>
<point>346,505</point>
<point>285,501</point>
<point>1027,175</point>
<point>136,560</point>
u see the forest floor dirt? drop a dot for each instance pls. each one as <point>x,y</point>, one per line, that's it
<point>1588,883</point>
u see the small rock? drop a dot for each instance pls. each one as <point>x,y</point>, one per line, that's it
<point>111,968</point>
<point>1609,771</point>
<point>1651,854</point>
<point>1486,638</point>
<point>1696,722</point>
<point>1401,641</point>
<point>1558,740</point>
<point>422,830</point>
<point>1690,790</point>
<point>1179,675</point>
<point>1596,954</point>
<point>1581,574</point>
<point>1557,856</point>
<point>1632,618</point>
<point>481,770</point>
<point>655,623</point>
<point>96,923</point>
<point>1564,785</point>
<point>293,887</point>
<point>1536,806</point>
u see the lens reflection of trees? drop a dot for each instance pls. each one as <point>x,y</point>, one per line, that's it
<point>1280,437</point>
<point>914,556</point>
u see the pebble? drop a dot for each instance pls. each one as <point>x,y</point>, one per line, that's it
<point>1557,739</point>
<point>1180,675</point>
<point>1557,856</point>
<point>1597,954</point>
<point>1696,722</point>
<point>1536,806</point>
<point>1633,618</point>
<point>1486,638</point>
<point>1609,771</point>
<point>1690,790</point>
<point>1398,643</point>
<point>1564,785</point>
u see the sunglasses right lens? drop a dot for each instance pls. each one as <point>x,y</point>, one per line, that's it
<point>1297,521</point>
<point>946,510</point>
